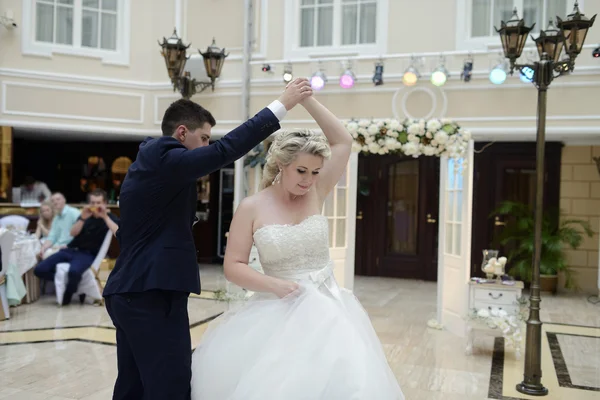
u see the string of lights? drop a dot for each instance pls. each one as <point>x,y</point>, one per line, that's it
<point>438,77</point>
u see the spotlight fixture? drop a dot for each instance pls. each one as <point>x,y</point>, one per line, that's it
<point>348,78</point>
<point>498,74</point>
<point>378,76</point>
<point>287,73</point>
<point>318,80</point>
<point>527,74</point>
<point>596,52</point>
<point>440,75</point>
<point>410,77</point>
<point>411,74</point>
<point>266,68</point>
<point>467,71</point>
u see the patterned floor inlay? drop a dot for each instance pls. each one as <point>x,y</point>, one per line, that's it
<point>100,333</point>
<point>90,334</point>
<point>583,361</point>
<point>507,372</point>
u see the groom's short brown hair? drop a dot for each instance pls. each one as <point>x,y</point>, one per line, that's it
<point>187,113</point>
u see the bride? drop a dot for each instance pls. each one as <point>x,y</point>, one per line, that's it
<point>300,336</point>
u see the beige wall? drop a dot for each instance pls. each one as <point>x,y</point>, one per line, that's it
<point>130,99</point>
<point>580,199</point>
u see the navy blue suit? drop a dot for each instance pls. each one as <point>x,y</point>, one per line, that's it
<point>147,291</point>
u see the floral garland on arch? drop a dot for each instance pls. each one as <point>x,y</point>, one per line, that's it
<point>434,137</point>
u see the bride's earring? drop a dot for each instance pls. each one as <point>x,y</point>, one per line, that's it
<point>277,178</point>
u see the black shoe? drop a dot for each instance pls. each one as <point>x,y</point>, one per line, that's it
<point>67,299</point>
<point>82,298</point>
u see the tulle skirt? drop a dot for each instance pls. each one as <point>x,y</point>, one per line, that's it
<point>317,344</point>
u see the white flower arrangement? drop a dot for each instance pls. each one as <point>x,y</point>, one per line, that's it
<point>435,137</point>
<point>495,267</point>
<point>510,325</point>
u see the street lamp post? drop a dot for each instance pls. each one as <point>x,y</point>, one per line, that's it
<point>175,54</point>
<point>570,36</point>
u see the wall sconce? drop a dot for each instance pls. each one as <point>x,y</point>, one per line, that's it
<point>175,54</point>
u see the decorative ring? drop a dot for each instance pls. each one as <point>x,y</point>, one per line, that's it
<point>427,90</point>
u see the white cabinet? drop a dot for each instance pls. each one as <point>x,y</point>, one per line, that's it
<point>490,296</point>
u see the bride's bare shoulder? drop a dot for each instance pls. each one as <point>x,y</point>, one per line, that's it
<point>256,201</point>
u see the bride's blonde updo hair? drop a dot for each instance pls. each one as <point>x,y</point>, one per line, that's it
<point>287,145</point>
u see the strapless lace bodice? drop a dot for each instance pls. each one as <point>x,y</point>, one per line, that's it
<point>294,251</point>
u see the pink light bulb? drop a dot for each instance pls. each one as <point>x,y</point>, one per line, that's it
<point>346,81</point>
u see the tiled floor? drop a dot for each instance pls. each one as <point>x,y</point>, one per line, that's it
<point>47,352</point>
<point>578,353</point>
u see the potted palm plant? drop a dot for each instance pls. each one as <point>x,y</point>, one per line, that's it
<point>518,236</point>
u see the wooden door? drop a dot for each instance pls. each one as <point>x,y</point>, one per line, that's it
<point>396,223</point>
<point>506,172</point>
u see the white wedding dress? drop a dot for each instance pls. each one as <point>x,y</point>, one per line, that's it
<point>315,345</point>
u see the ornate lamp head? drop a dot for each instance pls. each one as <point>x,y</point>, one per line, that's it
<point>175,54</point>
<point>214,57</point>
<point>575,29</point>
<point>513,35</point>
<point>550,42</point>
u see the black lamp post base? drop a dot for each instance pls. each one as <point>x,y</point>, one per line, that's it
<point>532,390</point>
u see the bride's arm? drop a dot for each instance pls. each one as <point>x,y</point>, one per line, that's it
<point>239,244</point>
<point>339,140</point>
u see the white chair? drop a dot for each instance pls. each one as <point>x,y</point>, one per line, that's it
<point>17,222</point>
<point>90,284</point>
<point>7,240</point>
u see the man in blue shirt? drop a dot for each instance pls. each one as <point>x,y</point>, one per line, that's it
<point>60,232</point>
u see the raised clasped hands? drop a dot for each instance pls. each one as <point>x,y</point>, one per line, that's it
<point>295,92</point>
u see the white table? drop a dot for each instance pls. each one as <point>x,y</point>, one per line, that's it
<point>24,252</point>
<point>23,259</point>
<point>490,296</point>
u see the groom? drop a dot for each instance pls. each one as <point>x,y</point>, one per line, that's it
<point>147,291</point>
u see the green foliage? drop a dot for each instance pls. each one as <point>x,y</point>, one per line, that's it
<point>557,235</point>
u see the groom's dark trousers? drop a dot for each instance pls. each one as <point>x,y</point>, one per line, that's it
<point>147,291</point>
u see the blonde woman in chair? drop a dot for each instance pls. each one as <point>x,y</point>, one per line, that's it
<point>44,222</point>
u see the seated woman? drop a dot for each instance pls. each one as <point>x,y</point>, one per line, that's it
<point>44,223</point>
